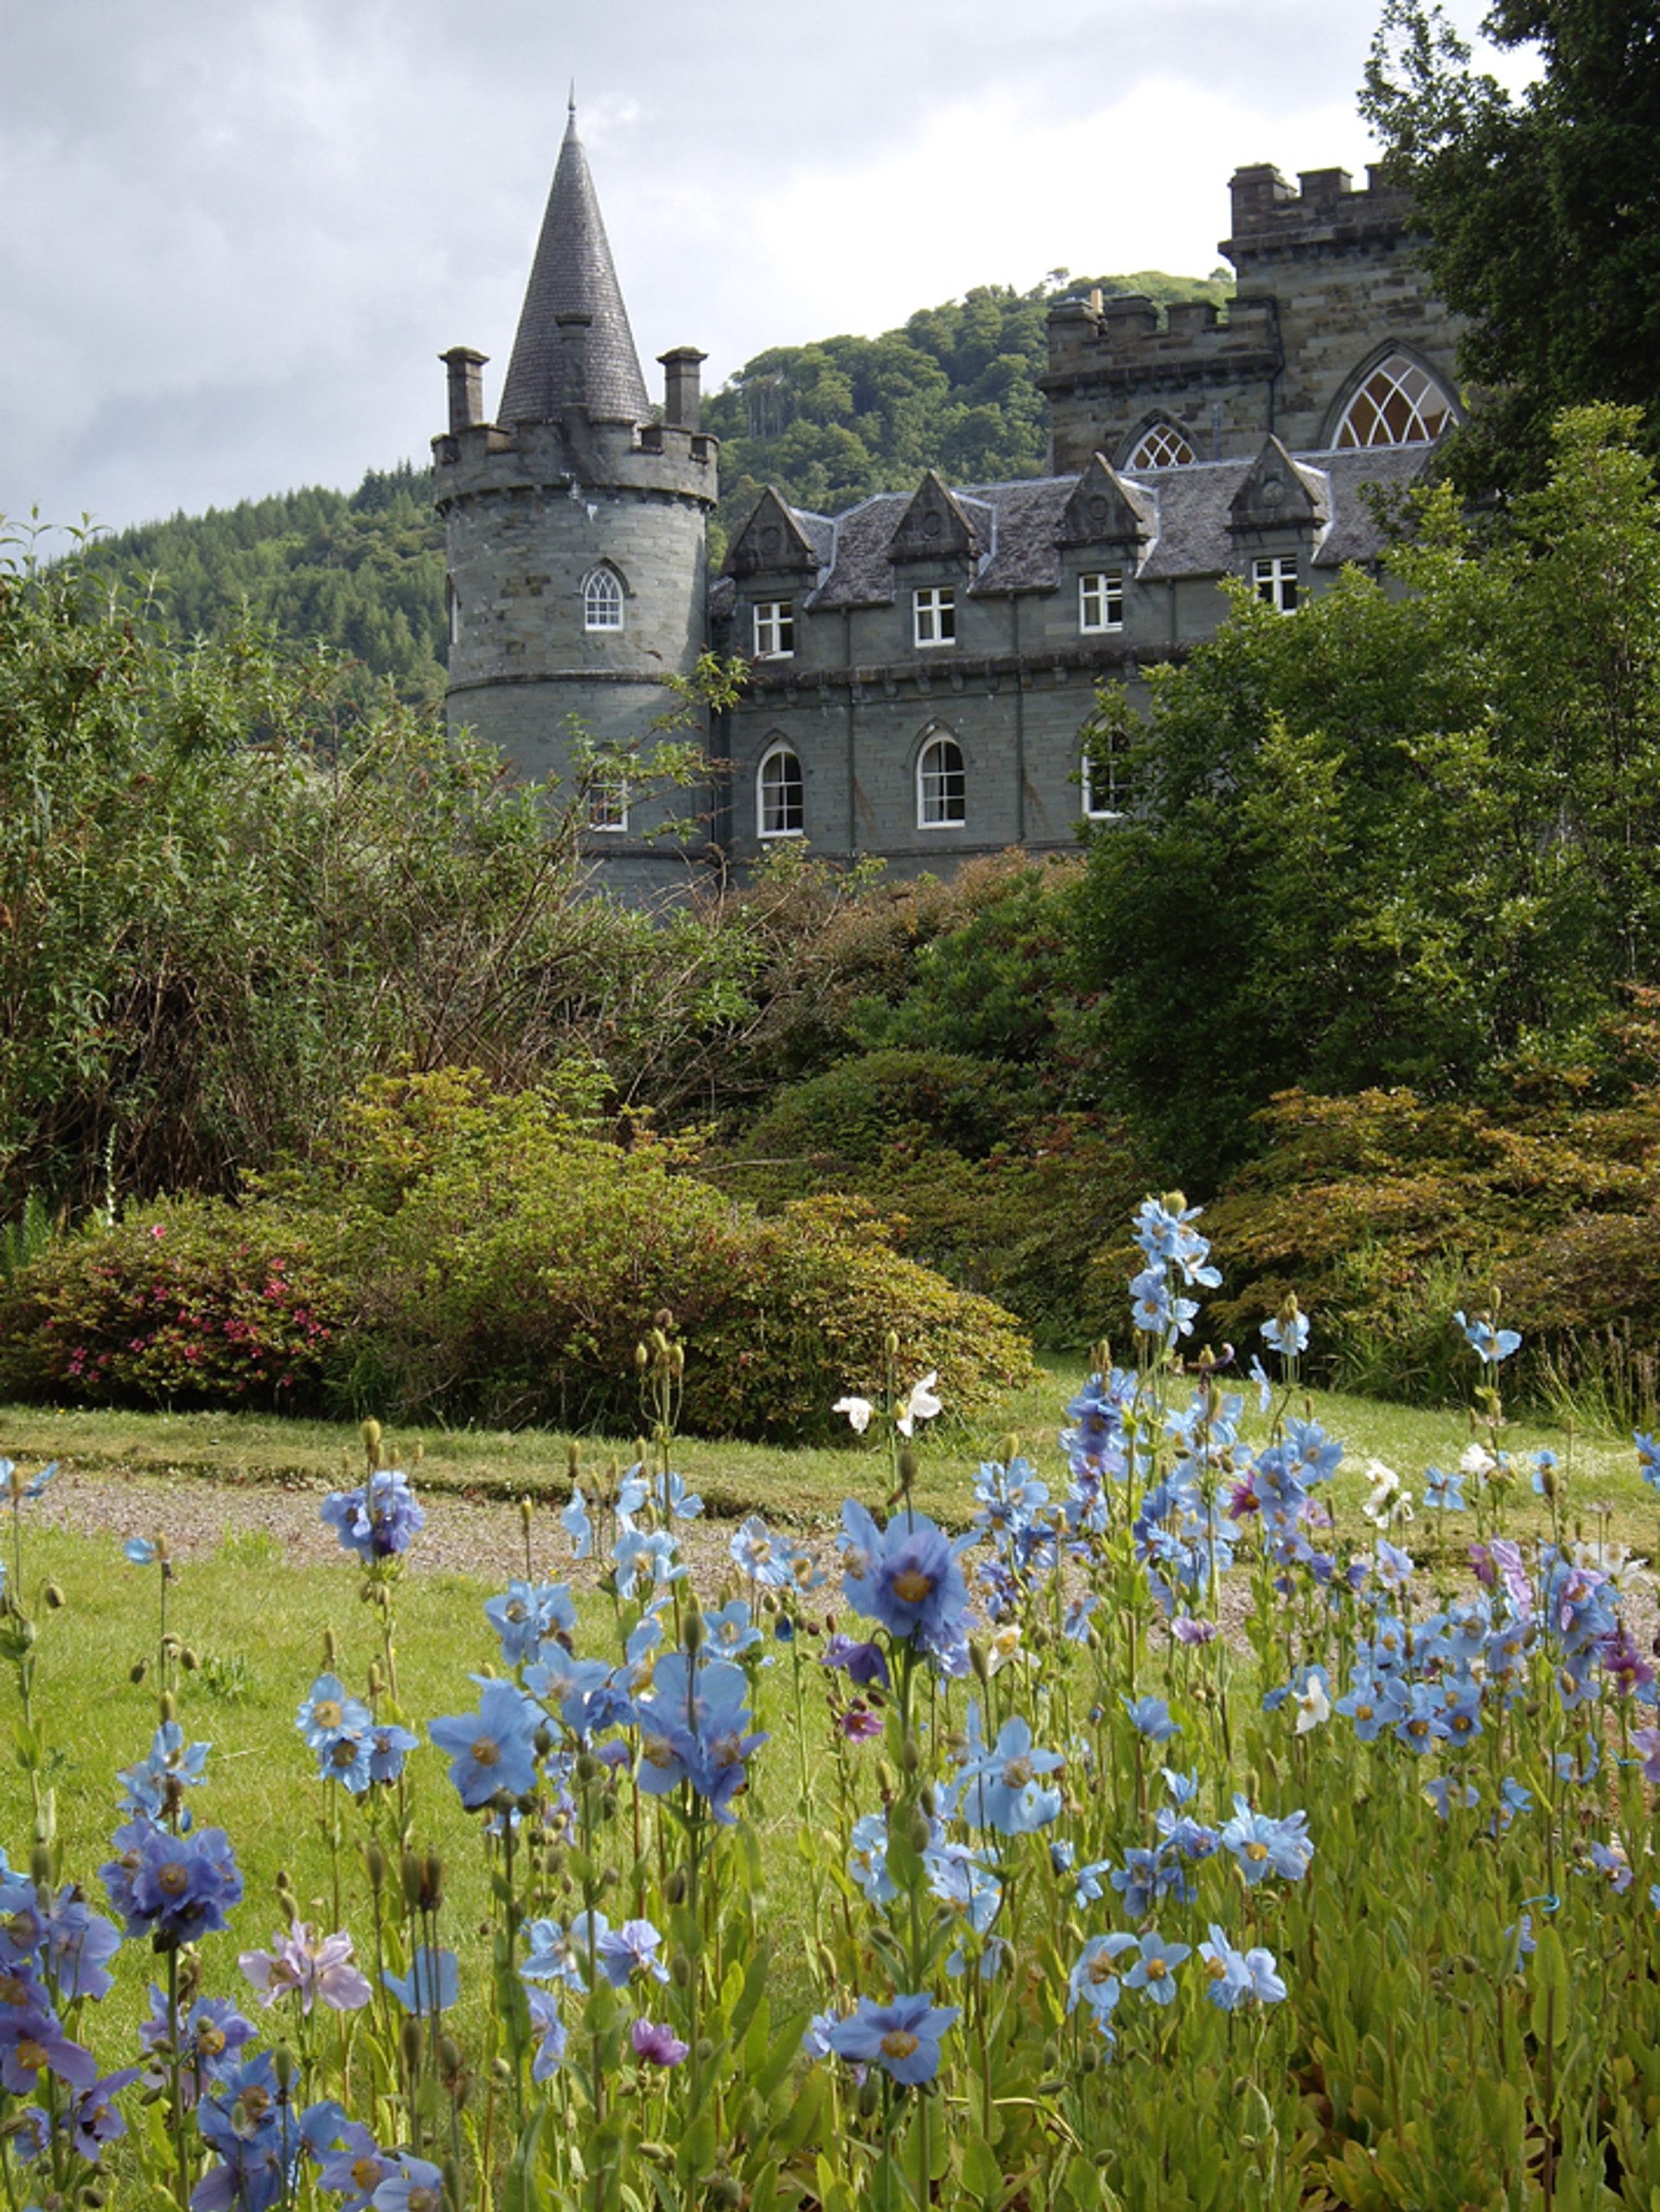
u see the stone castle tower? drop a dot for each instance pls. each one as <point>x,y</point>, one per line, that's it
<point>575,528</point>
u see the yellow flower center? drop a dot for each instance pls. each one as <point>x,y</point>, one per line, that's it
<point>911,1585</point>
<point>657,1751</point>
<point>898,2043</point>
<point>1257,1852</point>
<point>344,1753</point>
<point>1157,1969</point>
<point>367,2172</point>
<point>173,1879</point>
<point>1017,1773</point>
<point>14,1990</point>
<point>486,1751</point>
<point>1363,1712</point>
<point>1417,1728</point>
<point>210,2040</point>
<point>327,1713</point>
<point>1101,1969</point>
<point>1216,1968</point>
<point>29,2054</point>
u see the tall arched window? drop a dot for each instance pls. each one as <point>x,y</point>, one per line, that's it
<point>1161,445</point>
<point>1400,404</point>
<point>602,601</point>
<point>941,784</point>
<point>780,795</point>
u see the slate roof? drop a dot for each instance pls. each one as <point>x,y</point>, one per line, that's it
<point>1019,526</point>
<point>574,273</point>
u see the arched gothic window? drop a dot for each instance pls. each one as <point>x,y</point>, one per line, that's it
<point>602,601</point>
<point>780,795</point>
<point>941,784</point>
<point>1400,404</point>
<point>1160,446</point>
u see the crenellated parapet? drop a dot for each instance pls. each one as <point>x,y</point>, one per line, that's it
<point>1324,214</point>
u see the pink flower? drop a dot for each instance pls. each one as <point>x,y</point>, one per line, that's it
<point>658,2046</point>
<point>317,1969</point>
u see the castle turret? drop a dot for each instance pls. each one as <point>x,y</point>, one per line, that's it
<point>575,528</point>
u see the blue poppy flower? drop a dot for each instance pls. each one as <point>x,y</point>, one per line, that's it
<point>901,2037</point>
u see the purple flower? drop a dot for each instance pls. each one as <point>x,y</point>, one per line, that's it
<point>547,2026</point>
<point>317,1968</point>
<point>861,1662</point>
<point>629,1950</point>
<point>378,1519</point>
<point>658,2046</point>
<point>211,2035</point>
<point>906,1577</point>
<point>172,1889</point>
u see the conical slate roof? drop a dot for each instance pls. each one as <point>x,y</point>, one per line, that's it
<point>574,273</point>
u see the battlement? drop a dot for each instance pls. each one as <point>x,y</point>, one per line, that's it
<point>1118,339</point>
<point>1272,221</point>
<point>656,459</point>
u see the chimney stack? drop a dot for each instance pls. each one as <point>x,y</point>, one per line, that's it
<point>682,395</point>
<point>466,388</point>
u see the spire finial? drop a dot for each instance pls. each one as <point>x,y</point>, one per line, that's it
<point>571,105</point>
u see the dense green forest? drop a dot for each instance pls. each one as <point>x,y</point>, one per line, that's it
<point>829,423</point>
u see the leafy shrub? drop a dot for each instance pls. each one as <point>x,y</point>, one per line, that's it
<point>1001,1200</point>
<point>511,1279</point>
<point>189,1302</point>
<point>1384,1212</point>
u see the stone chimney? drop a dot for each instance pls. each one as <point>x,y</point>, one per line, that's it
<point>466,388</point>
<point>681,394</point>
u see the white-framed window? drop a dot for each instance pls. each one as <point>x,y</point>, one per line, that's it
<point>775,630</point>
<point>941,784</point>
<point>1161,446</point>
<point>1101,599</point>
<point>780,795</point>
<point>602,601</point>
<point>1105,775</point>
<point>1400,404</point>
<point>1274,577</point>
<point>607,804</point>
<point>934,614</point>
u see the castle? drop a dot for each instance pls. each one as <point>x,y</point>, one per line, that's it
<point>921,667</point>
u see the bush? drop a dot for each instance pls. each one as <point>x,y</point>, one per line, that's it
<point>510,1275</point>
<point>189,1302</point>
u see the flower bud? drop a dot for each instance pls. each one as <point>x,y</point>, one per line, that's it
<point>691,1626</point>
<point>137,1670</point>
<point>371,1432</point>
<point>642,1358</point>
<point>375,1858</point>
<point>55,1598</point>
<point>187,1659</point>
<point>869,2097</point>
<point>679,1970</point>
<point>526,1514</point>
<point>170,1705</point>
<point>705,2050</point>
<point>449,2057</point>
<point>432,1882</point>
<point>41,1871</point>
<point>907,1466</point>
<point>587,1767</point>
<point>920,1833</point>
<point>890,1344</point>
<point>284,2068</point>
<point>674,1888</point>
<point>330,1649</point>
<point>410,1871</point>
<point>910,1755</point>
<point>980,1660</point>
<point>410,2036</point>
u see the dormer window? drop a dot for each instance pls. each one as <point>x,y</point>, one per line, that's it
<point>602,601</point>
<point>775,630</point>
<point>934,614</point>
<point>1274,579</point>
<point>1101,599</point>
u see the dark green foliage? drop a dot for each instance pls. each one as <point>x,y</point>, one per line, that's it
<point>1540,213</point>
<point>1393,840</point>
<point>219,910</point>
<point>189,1302</point>
<point>361,574</point>
<point>955,390</point>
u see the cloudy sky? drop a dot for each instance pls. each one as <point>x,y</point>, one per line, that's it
<point>239,232</point>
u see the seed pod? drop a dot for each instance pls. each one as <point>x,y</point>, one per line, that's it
<point>55,1598</point>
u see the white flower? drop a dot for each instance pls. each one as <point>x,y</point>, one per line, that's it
<point>858,1410</point>
<point>921,1405</point>
<point>1390,1505</point>
<point>1479,1462</point>
<point>1313,1707</point>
